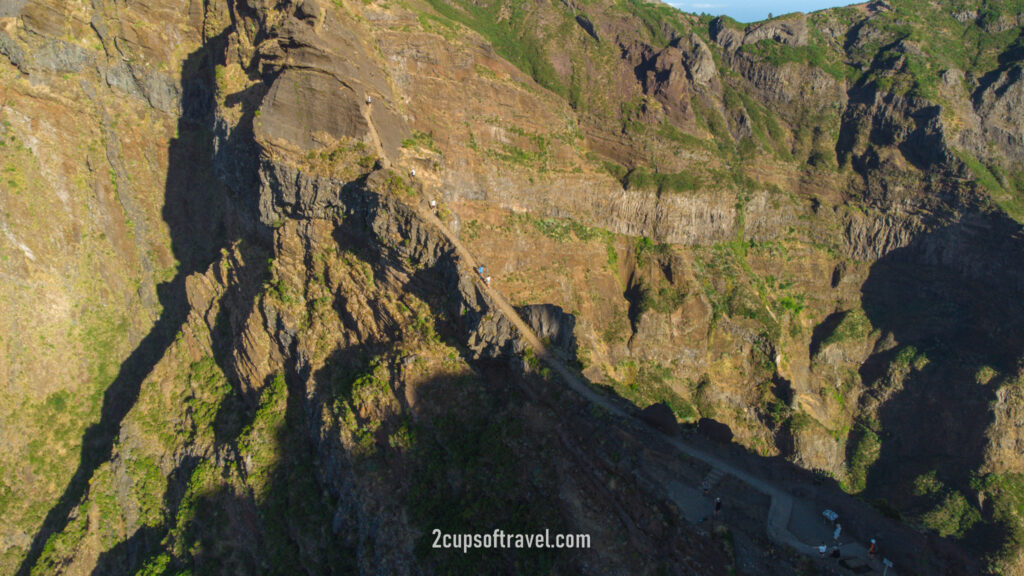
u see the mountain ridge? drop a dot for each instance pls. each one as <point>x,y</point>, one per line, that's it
<point>803,229</point>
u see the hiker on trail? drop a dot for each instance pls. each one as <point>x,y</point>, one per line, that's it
<point>873,550</point>
<point>369,99</point>
<point>488,280</point>
<point>433,205</point>
<point>835,535</point>
<point>412,173</point>
<point>718,506</point>
<point>706,487</point>
<point>821,550</point>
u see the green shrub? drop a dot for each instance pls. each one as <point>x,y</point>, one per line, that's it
<point>866,450</point>
<point>1006,493</point>
<point>665,300</point>
<point>421,140</point>
<point>954,516</point>
<point>853,326</point>
<point>800,421</point>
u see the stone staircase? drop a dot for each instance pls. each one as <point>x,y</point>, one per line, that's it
<point>713,478</point>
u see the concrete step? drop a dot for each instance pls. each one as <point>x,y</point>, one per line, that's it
<point>713,477</point>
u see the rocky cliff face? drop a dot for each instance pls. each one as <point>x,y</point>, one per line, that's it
<point>231,312</point>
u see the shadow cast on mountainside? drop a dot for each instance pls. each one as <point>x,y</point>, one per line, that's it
<point>951,303</point>
<point>197,210</point>
<point>219,529</point>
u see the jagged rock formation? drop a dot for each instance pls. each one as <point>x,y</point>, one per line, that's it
<point>230,313</point>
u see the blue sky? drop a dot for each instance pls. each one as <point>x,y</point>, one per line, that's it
<point>753,10</point>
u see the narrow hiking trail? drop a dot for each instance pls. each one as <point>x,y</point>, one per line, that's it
<point>781,508</point>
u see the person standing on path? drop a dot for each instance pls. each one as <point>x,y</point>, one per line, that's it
<point>821,551</point>
<point>706,487</point>
<point>835,535</point>
<point>718,506</point>
<point>873,550</point>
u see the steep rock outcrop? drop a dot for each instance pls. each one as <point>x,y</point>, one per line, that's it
<point>999,105</point>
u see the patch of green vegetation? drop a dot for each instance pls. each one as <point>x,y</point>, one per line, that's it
<point>1009,197</point>
<point>421,140</point>
<point>423,325</point>
<point>56,424</point>
<point>60,546</point>
<point>953,516</point>
<point>148,486</point>
<point>258,439</point>
<point>103,501</point>
<point>404,437</point>
<point>352,260</point>
<point>538,157</point>
<point>221,76</point>
<point>646,382</point>
<point>438,25</point>
<point>211,387</point>
<point>281,291</point>
<point>204,478</point>
<point>813,54</point>
<point>6,497</point>
<point>616,170</point>
<point>361,384</point>
<point>395,184</point>
<point>347,161</point>
<point>793,304</point>
<point>985,374</point>
<point>654,17</point>
<point>616,330</point>
<point>471,230</point>
<point>509,30</point>
<point>712,120</point>
<point>645,248</point>
<point>927,484</point>
<point>660,297</point>
<point>295,503</point>
<point>159,565</point>
<point>1006,493</point>
<point>865,452</point>
<point>731,285</point>
<point>800,421</point>
<point>356,390</point>
<point>920,40</point>
<point>485,72</point>
<point>665,300</point>
<point>535,364</point>
<point>560,229</point>
<point>688,141</point>
<point>909,357</point>
<point>662,182</point>
<point>854,326</point>
<point>765,126</point>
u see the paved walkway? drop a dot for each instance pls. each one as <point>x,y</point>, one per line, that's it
<point>781,510</point>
